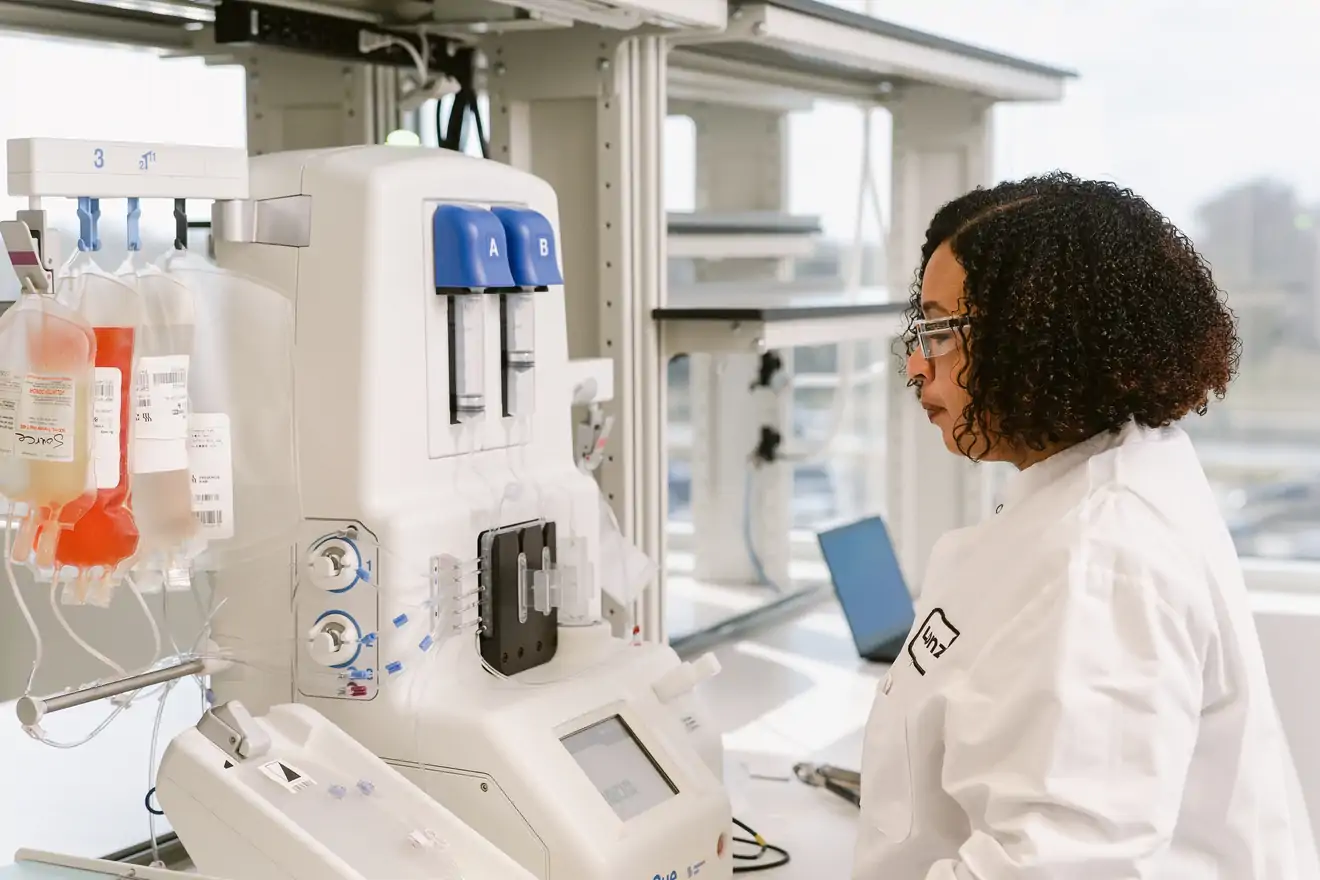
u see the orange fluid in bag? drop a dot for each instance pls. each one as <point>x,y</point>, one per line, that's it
<point>106,535</point>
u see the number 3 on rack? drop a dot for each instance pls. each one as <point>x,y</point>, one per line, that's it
<point>98,158</point>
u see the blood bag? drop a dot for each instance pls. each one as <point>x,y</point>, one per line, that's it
<point>106,536</point>
<point>47,352</point>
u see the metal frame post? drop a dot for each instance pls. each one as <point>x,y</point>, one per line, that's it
<point>584,109</point>
<point>941,149</point>
<point>741,165</point>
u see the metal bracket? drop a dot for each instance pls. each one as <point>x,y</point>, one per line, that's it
<point>240,22</point>
<point>234,731</point>
<point>285,221</point>
<point>584,61</point>
<point>24,240</point>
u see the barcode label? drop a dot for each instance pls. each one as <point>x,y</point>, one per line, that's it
<point>172,377</point>
<point>11,391</point>
<point>210,517</point>
<point>162,398</point>
<point>142,391</point>
<point>211,470</point>
<point>106,385</point>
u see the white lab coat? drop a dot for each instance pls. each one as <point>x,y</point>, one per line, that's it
<point>1083,696</point>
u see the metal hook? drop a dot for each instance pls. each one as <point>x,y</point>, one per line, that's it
<point>134,225</point>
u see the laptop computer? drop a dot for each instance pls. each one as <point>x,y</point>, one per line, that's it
<point>870,587</point>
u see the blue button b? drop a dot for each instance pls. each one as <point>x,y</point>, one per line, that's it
<point>532,258</point>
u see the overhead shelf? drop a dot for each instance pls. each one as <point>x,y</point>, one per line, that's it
<point>805,44</point>
<point>742,235</point>
<point>629,14</point>
<point>162,25</point>
<point>743,318</point>
<point>174,24</point>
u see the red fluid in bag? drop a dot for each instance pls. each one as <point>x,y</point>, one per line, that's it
<point>106,535</point>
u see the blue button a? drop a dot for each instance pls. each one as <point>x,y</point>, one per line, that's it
<point>532,257</point>
<point>470,248</point>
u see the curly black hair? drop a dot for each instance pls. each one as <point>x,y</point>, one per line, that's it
<point>1089,309</point>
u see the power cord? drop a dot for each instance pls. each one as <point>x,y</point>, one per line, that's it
<point>762,850</point>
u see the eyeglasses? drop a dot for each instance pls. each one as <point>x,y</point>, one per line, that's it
<point>935,336</point>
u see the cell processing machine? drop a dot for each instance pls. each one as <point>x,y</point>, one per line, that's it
<point>442,603</point>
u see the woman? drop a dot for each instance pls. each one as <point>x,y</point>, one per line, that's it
<point>1083,697</point>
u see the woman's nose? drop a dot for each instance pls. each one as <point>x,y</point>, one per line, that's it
<point>917,366</point>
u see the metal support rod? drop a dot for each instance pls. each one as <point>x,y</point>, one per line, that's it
<point>32,709</point>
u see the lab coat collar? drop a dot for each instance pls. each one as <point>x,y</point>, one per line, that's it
<point>1028,481</point>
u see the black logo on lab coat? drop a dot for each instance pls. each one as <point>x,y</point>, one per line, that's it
<point>931,640</point>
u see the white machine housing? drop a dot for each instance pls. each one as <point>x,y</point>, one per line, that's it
<point>392,487</point>
<point>307,802</point>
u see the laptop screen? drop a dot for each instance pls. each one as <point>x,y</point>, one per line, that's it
<point>868,583</point>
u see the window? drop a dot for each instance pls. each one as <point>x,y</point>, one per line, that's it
<point>89,800</point>
<point>1218,147</point>
<point>832,411</point>
<point>680,184</point>
<point>1222,150</point>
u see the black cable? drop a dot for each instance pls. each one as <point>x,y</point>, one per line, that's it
<point>762,850</point>
<point>465,102</point>
<point>147,802</point>
<point>452,136</point>
<point>449,132</point>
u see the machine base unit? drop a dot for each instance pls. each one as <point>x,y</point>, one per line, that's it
<point>291,796</point>
<point>581,773</point>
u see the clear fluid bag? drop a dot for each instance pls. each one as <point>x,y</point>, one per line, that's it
<point>162,486</point>
<point>243,459</point>
<point>47,356</point>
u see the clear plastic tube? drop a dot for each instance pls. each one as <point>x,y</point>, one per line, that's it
<point>38,646</point>
<point>158,648</point>
<point>156,860</point>
<point>77,639</point>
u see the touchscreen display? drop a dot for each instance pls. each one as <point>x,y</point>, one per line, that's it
<point>622,771</point>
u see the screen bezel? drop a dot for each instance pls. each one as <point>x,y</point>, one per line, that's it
<point>641,746</point>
